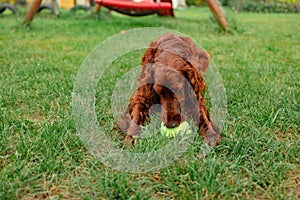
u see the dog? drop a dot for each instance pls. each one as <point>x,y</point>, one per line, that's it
<point>171,76</point>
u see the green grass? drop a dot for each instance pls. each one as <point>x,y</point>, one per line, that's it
<point>41,155</point>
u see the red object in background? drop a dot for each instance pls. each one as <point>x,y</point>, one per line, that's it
<point>139,8</point>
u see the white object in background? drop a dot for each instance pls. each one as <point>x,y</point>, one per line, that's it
<point>179,3</point>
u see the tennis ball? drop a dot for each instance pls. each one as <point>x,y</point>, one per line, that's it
<point>184,128</point>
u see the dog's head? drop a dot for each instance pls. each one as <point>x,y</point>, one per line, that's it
<point>178,91</point>
<point>174,65</point>
<point>170,86</point>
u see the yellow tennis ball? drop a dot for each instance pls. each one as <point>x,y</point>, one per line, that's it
<point>183,128</point>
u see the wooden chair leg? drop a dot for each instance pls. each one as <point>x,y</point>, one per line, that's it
<point>31,12</point>
<point>96,9</point>
<point>218,13</point>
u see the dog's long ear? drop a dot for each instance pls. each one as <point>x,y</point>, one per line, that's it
<point>195,79</point>
<point>204,59</point>
<point>147,75</point>
<point>200,60</point>
<point>150,53</point>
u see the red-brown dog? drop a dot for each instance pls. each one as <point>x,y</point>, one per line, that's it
<point>171,76</point>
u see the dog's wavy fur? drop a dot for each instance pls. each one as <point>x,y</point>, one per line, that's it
<point>172,76</point>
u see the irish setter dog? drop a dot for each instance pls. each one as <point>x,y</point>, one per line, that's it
<point>171,76</point>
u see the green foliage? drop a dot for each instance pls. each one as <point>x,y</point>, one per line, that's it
<point>278,6</point>
<point>195,2</point>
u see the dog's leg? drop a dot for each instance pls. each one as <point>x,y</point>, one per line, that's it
<point>139,107</point>
<point>211,132</point>
<point>134,129</point>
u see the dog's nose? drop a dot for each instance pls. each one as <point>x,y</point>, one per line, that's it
<point>173,121</point>
<point>171,125</point>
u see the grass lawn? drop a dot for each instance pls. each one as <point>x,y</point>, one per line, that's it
<point>42,157</point>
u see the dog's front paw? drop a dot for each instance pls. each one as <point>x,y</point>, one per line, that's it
<point>123,122</point>
<point>130,140</point>
<point>212,136</point>
<point>133,134</point>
